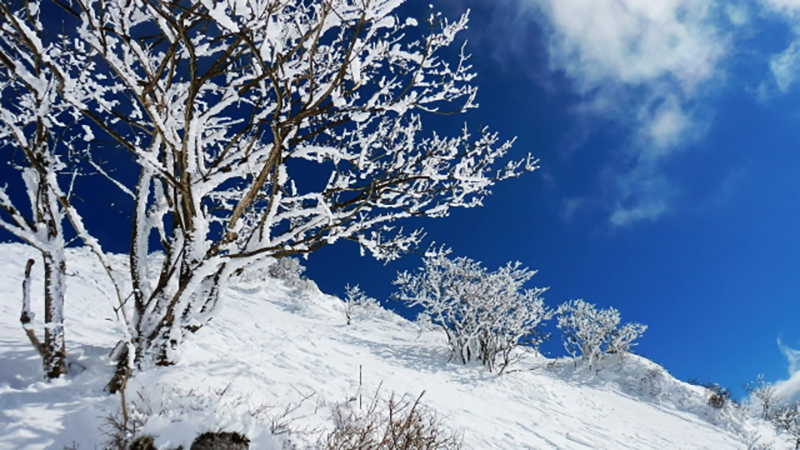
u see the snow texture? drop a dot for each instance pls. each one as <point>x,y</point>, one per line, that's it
<point>273,349</point>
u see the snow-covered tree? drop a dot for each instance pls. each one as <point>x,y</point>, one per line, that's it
<point>763,395</point>
<point>269,128</point>
<point>30,116</point>
<point>590,332</point>
<point>43,78</point>
<point>486,315</point>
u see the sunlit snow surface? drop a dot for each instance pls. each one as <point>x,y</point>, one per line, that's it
<point>273,348</point>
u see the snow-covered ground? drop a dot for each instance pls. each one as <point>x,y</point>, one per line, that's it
<point>276,362</point>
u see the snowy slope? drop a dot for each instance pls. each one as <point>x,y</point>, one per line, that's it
<point>275,350</point>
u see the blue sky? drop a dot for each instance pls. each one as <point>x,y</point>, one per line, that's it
<point>669,142</point>
<point>668,133</point>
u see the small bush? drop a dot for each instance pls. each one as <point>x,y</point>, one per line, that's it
<point>357,304</point>
<point>591,333</point>
<point>123,433</point>
<point>290,271</point>
<point>717,400</point>
<point>718,396</point>
<point>424,323</point>
<point>399,424</point>
<point>651,384</point>
<point>786,419</point>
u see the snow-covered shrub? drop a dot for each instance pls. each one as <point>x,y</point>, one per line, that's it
<point>197,418</point>
<point>290,271</point>
<point>786,419</point>
<point>358,305</point>
<point>651,384</point>
<point>763,396</point>
<point>424,323</point>
<point>123,429</point>
<point>589,332</point>
<point>486,315</point>
<point>397,424</point>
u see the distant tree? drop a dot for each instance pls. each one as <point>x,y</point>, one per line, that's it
<point>762,394</point>
<point>485,315</point>
<point>589,332</point>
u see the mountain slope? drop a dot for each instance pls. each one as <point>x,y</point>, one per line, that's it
<point>276,362</point>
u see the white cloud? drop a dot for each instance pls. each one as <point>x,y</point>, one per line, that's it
<point>785,64</point>
<point>738,14</point>
<point>642,194</point>
<point>665,128</point>
<point>651,211</point>
<point>789,8</point>
<point>789,389</point>
<point>570,206</point>
<point>792,356</point>
<point>634,42</point>
<point>644,64</point>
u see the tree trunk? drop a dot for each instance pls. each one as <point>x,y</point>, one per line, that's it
<point>180,313</point>
<point>26,318</point>
<point>55,353</point>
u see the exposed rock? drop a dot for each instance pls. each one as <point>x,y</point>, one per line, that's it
<point>221,441</point>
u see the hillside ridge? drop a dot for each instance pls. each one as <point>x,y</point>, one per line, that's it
<point>277,362</point>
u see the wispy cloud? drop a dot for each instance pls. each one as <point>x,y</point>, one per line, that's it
<point>789,389</point>
<point>784,67</point>
<point>785,64</point>
<point>646,64</point>
<point>642,194</point>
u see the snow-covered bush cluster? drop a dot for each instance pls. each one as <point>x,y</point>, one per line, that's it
<point>590,332</point>
<point>486,315</point>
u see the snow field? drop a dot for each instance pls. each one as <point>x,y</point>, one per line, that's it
<point>276,362</point>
